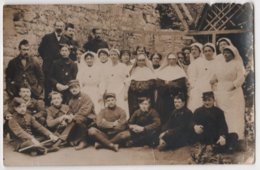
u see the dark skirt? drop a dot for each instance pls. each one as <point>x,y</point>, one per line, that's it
<point>166,91</point>
<point>140,89</point>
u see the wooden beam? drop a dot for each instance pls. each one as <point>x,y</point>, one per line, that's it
<point>187,12</point>
<point>178,12</point>
<point>217,32</point>
<point>191,32</point>
<point>214,38</point>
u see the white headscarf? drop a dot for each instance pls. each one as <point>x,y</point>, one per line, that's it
<point>211,45</point>
<point>82,58</point>
<point>200,47</point>
<point>224,39</point>
<point>169,73</point>
<point>234,50</point>
<point>106,51</point>
<point>142,74</point>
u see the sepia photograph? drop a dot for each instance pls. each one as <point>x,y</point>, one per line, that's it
<point>128,84</point>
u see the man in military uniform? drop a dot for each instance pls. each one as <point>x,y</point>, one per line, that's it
<point>210,126</point>
<point>82,109</point>
<point>144,126</point>
<point>177,130</point>
<point>24,69</point>
<point>110,121</point>
<point>35,107</point>
<point>21,127</point>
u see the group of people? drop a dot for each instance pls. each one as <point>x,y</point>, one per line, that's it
<point>111,98</point>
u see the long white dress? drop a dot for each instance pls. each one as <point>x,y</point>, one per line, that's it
<point>90,81</point>
<point>228,75</point>
<point>200,72</point>
<point>114,81</point>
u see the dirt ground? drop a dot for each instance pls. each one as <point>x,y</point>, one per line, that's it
<point>126,156</point>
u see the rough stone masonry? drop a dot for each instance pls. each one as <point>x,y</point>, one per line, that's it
<point>125,26</point>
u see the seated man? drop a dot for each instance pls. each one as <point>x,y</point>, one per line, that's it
<point>82,108</point>
<point>59,119</point>
<point>21,125</point>
<point>176,131</point>
<point>144,126</point>
<point>210,126</point>
<point>110,121</point>
<point>35,107</point>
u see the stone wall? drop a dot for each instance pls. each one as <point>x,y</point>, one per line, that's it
<point>125,26</point>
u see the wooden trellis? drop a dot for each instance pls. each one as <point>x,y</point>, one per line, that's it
<point>213,21</point>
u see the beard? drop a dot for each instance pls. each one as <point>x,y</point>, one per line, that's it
<point>58,30</point>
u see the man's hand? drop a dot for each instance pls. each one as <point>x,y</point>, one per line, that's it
<point>115,123</point>
<point>162,134</point>
<point>221,141</point>
<point>8,116</point>
<point>69,118</point>
<point>53,137</point>
<point>61,118</point>
<point>36,142</point>
<point>198,129</point>
<point>60,87</point>
<point>65,87</point>
<point>131,127</point>
<point>138,129</point>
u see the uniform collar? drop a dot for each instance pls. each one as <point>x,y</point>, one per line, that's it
<point>77,96</point>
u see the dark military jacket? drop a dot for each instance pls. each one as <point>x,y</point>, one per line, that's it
<point>149,120</point>
<point>179,122</point>
<point>82,107</point>
<point>22,126</point>
<point>49,49</point>
<point>53,113</point>
<point>18,75</point>
<point>95,44</point>
<point>214,123</point>
<point>62,71</point>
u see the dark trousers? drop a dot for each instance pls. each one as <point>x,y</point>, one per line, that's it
<point>79,132</point>
<point>231,142</point>
<point>47,88</point>
<point>64,133</point>
<point>174,141</point>
<point>150,138</point>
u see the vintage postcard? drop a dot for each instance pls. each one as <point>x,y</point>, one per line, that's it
<point>128,84</point>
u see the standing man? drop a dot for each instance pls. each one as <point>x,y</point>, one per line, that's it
<point>49,50</point>
<point>97,42</point>
<point>62,71</point>
<point>186,51</point>
<point>24,70</point>
<point>70,35</point>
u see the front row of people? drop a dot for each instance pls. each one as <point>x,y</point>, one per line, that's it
<point>77,125</point>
